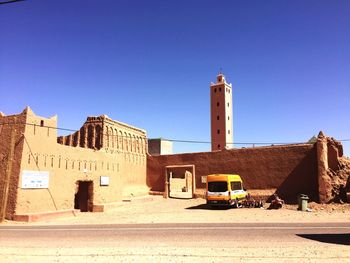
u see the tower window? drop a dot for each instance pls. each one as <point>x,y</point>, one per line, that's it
<point>42,123</point>
<point>220,89</point>
<point>228,104</point>
<point>218,131</point>
<point>218,117</point>
<point>215,90</point>
<point>218,146</point>
<point>228,117</point>
<point>217,104</point>
<point>228,131</point>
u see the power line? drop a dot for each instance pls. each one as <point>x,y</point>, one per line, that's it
<point>10,1</point>
<point>166,139</point>
<point>61,129</point>
<point>239,143</point>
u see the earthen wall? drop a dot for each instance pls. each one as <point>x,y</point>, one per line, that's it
<point>11,136</point>
<point>122,159</point>
<point>290,169</point>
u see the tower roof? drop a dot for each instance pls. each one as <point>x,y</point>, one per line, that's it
<point>220,78</point>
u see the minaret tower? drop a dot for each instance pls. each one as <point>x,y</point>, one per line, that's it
<point>221,114</point>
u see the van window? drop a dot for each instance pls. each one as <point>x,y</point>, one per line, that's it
<point>217,186</point>
<point>236,186</point>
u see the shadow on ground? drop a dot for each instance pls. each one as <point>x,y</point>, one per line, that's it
<point>339,239</point>
<point>208,207</point>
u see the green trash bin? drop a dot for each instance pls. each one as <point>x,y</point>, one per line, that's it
<point>302,202</point>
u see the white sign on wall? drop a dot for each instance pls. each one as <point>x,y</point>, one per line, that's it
<point>104,180</point>
<point>35,179</point>
<point>204,179</point>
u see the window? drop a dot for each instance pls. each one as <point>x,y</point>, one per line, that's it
<point>220,89</point>
<point>218,146</point>
<point>218,131</point>
<point>228,117</point>
<point>218,117</point>
<point>217,104</point>
<point>42,123</point>
<point>217,186</point>
<point>228,131</point>
<point>228,104</point>
<point>215,90</point>
<point>236,186</point>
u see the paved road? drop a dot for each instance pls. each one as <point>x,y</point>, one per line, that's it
<point>178,242</point>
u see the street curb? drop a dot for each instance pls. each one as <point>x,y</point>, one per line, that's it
<point>35,217</point>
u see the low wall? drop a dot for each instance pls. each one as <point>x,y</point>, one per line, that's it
<point>291,169</point>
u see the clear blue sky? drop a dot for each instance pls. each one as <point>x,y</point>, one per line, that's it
<point>150,64</point>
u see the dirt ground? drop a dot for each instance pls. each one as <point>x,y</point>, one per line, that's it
<point>156,209</point>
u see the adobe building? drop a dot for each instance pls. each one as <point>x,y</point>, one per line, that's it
<point>221,114</point>
<point>160,146</point>
<point>107,161</point>
<point>317,169</point>
<point>103,162</point>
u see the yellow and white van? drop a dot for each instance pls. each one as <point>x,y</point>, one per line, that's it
<point>225,189</point>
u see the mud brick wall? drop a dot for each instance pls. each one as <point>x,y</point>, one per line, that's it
<point>291,169</point>
<point>10,126</point>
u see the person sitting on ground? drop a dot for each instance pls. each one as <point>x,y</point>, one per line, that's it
<point>276,203</point>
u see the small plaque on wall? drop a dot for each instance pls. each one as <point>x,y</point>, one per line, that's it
<point>204,179</point>
<point>35,179</point>
<point>104,180</point>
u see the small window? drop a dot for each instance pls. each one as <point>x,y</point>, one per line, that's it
<point>218,131</point>
<point>228,117</point>
<point>228,104</point>
<point>220,89</point>
<point>228,131</point>
<point>218,146</point>
<point>42,123</point>
<point>218,104</point>
<point>217,186</point>
<point>215,90</point>
<point>218,117</point>
<point>236,186</point>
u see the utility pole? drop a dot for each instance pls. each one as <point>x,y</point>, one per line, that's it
<point>3,207</point>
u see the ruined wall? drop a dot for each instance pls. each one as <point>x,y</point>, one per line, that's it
<point>333,170</point>
<point>11,130</point>
<point>103,132</point>
<point>290,169</point>
<point>122,159</point>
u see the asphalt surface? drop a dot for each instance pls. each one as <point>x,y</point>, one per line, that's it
<point>253,242</point>
<point>174,234</point>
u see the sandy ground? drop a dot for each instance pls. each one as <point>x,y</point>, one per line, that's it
<point>155,209</point>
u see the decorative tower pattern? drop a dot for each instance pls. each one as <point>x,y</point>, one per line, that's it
<point>221,114</point>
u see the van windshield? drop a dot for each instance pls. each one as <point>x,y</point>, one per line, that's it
<point>217,186</point>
